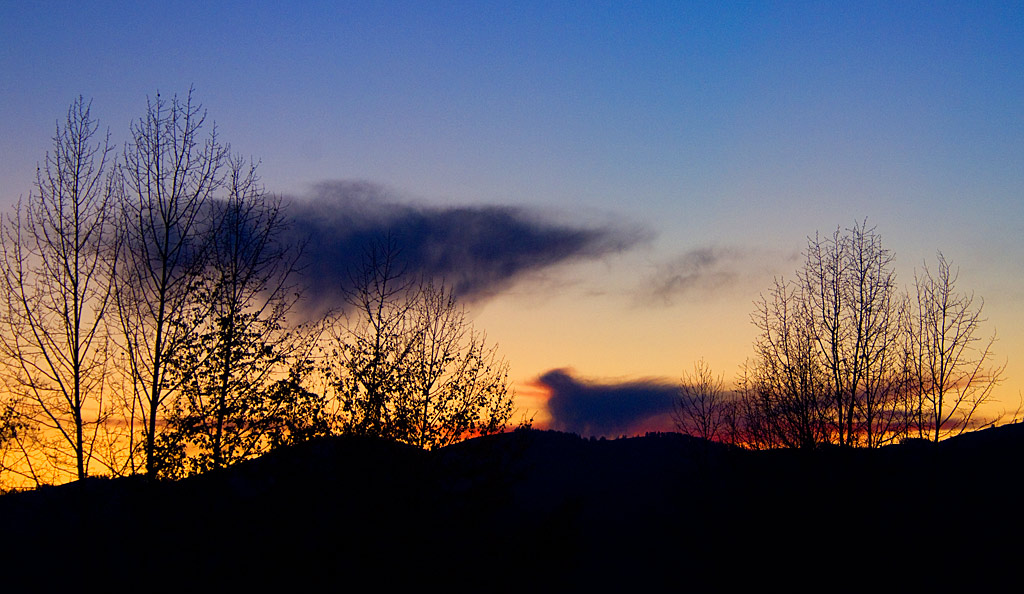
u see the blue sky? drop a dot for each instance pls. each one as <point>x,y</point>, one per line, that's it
<point>720,135</point>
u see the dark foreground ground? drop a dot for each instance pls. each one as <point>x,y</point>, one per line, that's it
<point>540,509</point>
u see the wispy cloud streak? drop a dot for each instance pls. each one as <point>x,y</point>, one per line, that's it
<point>708,271</point>
<point>699,270</point>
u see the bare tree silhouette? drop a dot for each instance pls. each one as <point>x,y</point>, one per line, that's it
<point>55,258</point>
<point>704,407</point>
<point>458,382</point>
<point>855,312</point>
<point>843,358</point>
<point>950,364</point>
<point>170,174</point>
<point>407,365</point>
<point>367,344</point>
<point>783,389</point>
<point>829,363</point>
<point>233,402</point>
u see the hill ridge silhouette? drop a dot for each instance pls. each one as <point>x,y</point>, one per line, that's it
<point>582,511</point>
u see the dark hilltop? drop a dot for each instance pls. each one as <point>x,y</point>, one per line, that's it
<point>538,506</point>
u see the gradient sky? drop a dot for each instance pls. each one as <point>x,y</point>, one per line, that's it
<point>704,142</point>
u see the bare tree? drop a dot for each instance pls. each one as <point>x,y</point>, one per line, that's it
<point>703,406</point>
<point>850,285</point>
<point>842,346</point>
<point>170,173</point>
<point>950,364</point>
<point>232,397</point>
<point>369,344</point>
<point>458,383</point>
<point>55,260</point>
<point>784,390</point>
<point>408,366</point>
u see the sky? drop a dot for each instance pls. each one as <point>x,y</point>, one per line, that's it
<point>610,185</point>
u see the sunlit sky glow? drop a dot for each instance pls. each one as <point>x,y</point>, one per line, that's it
<point>719,136</point>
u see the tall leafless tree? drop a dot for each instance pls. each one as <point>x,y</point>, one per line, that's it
<point>851,286</point>
<point>172,169</point>
<point>829,363</point>
<point>951,365</point>
<point>55,260</point>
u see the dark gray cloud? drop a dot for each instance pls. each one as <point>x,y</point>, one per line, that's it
<point>478,250</point>
<point>610,409</point>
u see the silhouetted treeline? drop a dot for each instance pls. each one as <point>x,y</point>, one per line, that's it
<point>149,307</point>
<point>843,357</point>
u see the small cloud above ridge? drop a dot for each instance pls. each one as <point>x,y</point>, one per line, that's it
<point>608,409</point>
